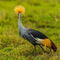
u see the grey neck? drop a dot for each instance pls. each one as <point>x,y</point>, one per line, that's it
<point>21,27</point>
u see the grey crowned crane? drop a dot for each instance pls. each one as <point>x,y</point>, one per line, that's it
<point>33,36</point>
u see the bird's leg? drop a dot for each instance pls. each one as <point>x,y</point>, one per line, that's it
<point>42,49</point>
<point>35,49</point>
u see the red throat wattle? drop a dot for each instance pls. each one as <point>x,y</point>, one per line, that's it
<point>18,17</point>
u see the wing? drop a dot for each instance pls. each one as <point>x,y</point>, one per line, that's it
<point>42,39</point>
<point>37,34</point>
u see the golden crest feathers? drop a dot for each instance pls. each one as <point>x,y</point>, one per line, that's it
<point>19,9</point>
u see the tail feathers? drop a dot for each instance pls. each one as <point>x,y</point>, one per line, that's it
<point>53,46</point>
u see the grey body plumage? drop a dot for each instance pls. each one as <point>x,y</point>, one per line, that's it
<point>26,33</point>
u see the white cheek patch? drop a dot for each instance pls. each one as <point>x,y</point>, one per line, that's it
<point>39,41</point>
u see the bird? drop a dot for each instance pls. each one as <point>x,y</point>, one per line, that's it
<point>33,36</point>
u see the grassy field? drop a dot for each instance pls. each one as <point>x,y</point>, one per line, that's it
<point>43,16</point>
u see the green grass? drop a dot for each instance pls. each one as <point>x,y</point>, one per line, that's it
<point>43,16</point>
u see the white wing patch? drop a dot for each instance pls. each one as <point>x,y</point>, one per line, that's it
<point>38,40</point>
